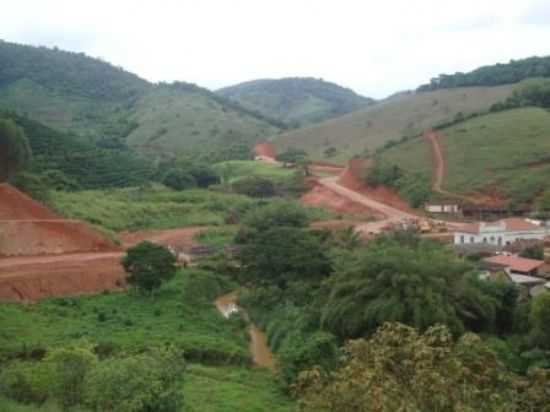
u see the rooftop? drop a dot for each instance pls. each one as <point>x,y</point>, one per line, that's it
<point>515,263</point>
<point>513,224</point>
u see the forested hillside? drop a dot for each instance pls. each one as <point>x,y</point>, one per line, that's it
<point>513,72</point>
<point>296,101</point>
<point>88,97</point>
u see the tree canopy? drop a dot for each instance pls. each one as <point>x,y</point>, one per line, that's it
<point>15,151</point>
<point>418,283</point>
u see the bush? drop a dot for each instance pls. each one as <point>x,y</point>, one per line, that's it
<point>149,265</point>
<point>254,186</point>
<point>26,382</point>
<point>140,383</point>
<point>178,179</point>
<point>276,214</point>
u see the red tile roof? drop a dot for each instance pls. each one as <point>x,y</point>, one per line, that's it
<point>516,263</point>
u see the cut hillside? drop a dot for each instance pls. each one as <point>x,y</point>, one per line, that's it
<point>27,228</point>
<point>504,154</point>
<point>296,101</point>
<point>72,92</point>
<point>402,116</point>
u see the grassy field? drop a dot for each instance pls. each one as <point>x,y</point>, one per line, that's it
<point>234,170</point>
<point>181,313</point>
<point>148,208</point>
<point>405,115</point>
<point>506,151</point>
<point>209,389</point>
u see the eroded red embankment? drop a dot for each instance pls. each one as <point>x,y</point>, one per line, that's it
<point>265,149</point>
<point>352,179</point>
<point>320,196</point>
<point>33,278</point>
<point>15,205</point>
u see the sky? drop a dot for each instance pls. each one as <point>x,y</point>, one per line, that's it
<point>374,47</point>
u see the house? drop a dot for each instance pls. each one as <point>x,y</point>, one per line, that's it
<point>442,207</point>
<point>524,273</point>
<point>501,233</point>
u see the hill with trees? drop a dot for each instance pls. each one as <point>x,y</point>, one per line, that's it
<point>403,116</point>
<point>296,101</point>
<point>494,75</point>
<point>88,97</point>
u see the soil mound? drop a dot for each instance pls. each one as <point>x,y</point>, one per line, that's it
<point>352,179</point>
<point>15,205</point>
<point>265,149</point>
<point>320,196</point>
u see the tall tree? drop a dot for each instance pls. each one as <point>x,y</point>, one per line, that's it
<point>15,152</point>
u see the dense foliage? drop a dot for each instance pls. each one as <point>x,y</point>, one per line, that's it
<point>15,151</point>
<point>417,283</point>
<point>531,93</point>
<point>86,164</point>
<point>401,369</point>
<point>179,179</point>
<point>149,265</point>
<point>512,72</point>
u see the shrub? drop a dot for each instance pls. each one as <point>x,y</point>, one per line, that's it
<point>178,179</point>
<point>254,186</point>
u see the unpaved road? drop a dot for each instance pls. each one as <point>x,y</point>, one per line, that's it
<point>261,354</point>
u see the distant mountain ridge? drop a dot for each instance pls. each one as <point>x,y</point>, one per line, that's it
<point>296,101</point>
<point>75,93</point>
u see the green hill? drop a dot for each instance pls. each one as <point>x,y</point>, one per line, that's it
<point>296,101</point>
<point>506,152</point>
<point>91,98</point>
<point>494,75</point>
<point>402,116</point>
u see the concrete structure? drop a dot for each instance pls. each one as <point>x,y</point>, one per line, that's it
<point>442,207</point>
<point>501,233</point>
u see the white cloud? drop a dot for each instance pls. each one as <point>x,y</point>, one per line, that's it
<point>376,48</point>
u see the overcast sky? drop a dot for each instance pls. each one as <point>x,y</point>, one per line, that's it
<point>374,47</point>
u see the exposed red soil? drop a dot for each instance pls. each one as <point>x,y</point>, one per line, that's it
<point>352,179</point>
<point>320,196</point>
<point>265,149</point>
<point>15,205</point>
<point>50,237</point>
<point>33,278</point>
<point>333,224</point>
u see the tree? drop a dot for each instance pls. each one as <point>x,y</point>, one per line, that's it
<point>141,383</point>
<point>178,179</point>
<point>276,214</point>
<point>400,369</point>
<point>149,265</point>
<point>419,284</point>
<point>70,367</point>
<point>283,254</point>
<point>254,186</point>
<point>204,175</point>
<point>539,318</point>
<point>292,155</point>
<point>15,152</point>
<point>533,252</point>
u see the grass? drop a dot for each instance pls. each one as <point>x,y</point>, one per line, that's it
<point>181,313</point>
<point>405,115</point>
<point>208,389</point>
<point>234,170</point>
<point>228,389</point>
<point>506,151</point>
<point>172,120</point>
<point>155,207</point>
<point>217,237</point>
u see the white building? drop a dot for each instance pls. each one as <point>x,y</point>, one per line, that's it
<point>501,233</point>
<point>442,207</point>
